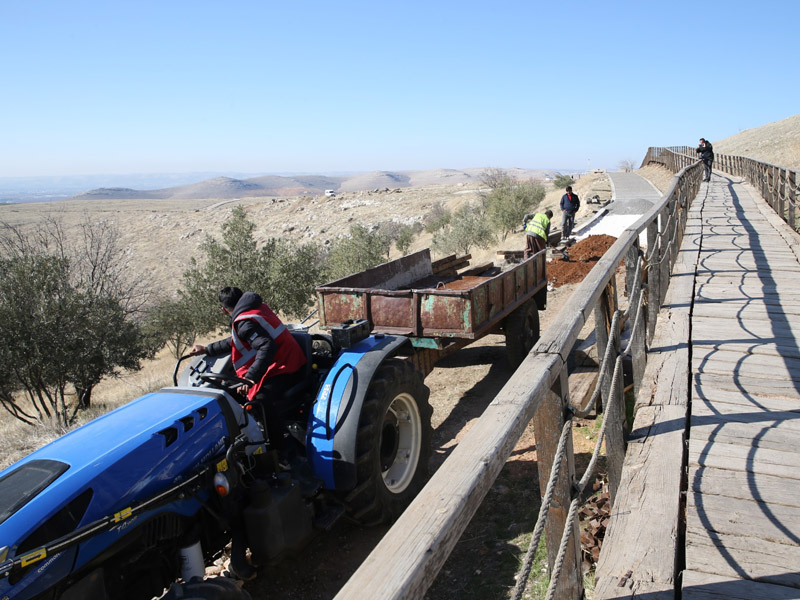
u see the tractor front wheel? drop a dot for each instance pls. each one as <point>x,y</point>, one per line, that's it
<point>393,445</point>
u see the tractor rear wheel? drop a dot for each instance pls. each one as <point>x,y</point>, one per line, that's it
<point>522,332</point>
<point>213,588</point>
<point>393,444</point>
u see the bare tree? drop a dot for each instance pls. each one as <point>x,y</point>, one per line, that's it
<point>626,165</point>
<point>495,178</point>
<point>66,317</point>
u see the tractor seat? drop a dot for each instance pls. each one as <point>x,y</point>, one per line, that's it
<point>294,393</point>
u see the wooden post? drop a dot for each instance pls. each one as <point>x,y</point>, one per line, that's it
<point>639,335</point>
<point>791,181</point>
<point>547,423</point>
<point>615,440</point>
<point>782,193</point>
<point>602,324</point>
<point>673,235</point>
<point>638,338</point>
<point>765,185</point>
<point>652,278</point>
<point>630,266</point>
<point>663,267</point>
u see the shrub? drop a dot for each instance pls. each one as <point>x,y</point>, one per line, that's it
<point>494,178</point>
<point>66,319</point>
<point>507,205</point>
<point>282,272</point>
<point>404,237</point>
<point>361,249</point>
<point>171,323</point>
<point>437,218</point>
<point>562,181</point>
<point>467,228</point>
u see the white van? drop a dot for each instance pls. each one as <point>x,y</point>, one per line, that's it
<point>330,193</point>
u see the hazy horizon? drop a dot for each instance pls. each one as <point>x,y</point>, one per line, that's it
<point>46,188</point>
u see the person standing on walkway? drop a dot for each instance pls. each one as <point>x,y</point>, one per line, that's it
<point>570,203</point>
<point>706,152</point>
<point>537,228</point>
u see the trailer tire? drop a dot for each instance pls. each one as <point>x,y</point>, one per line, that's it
<point>522,332</point>
<point>212,588</point>
<point>393,444</point>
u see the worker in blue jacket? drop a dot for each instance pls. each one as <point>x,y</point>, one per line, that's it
<point>570,203</point>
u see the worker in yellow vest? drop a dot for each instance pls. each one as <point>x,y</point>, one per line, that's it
<point>537,228</point>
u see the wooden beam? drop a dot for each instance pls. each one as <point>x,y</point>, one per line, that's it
<point>547,424</point>
<point>410,555</point>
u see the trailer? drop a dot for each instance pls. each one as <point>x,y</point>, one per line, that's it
<point>441,305</point>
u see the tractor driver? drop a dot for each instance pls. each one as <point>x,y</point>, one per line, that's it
<point>263,352</point>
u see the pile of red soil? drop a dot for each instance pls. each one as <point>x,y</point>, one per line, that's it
<point>582,257</point>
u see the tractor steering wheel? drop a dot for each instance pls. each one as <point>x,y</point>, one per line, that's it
<point>228,382</point>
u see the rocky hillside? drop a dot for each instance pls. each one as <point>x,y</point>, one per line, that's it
<point>161,235</point>
<point>777,143</point>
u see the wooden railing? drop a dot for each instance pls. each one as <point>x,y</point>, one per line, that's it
<point>408,558</point>
<point>779,186</point>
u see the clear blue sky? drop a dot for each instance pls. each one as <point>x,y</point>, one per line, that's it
<point>112,86</point>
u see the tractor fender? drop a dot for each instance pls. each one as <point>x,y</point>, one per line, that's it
<point>333,421</point>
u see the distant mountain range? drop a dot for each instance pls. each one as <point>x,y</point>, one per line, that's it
<point>213,185</point>
<point>298,185</point>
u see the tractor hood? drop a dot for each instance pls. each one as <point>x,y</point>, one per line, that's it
<point>112,463</point>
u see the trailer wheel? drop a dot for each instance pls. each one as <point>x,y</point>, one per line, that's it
<point>213,588</point>
<point>522,332</point>
<point>393,444</point>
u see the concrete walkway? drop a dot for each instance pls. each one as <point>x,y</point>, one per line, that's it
<point>632,196</point>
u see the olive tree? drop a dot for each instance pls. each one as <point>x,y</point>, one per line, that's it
<point>361,249</point>
<point>562,181</point>
<point>282,272</point>
<point>68,318</point>
<point>404,237</point>
<point>170,323</point>
<point>468,227</point>
<point>506,205</point>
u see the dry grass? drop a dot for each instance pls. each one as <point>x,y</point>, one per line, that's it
<point>18,439</point>
<point>659,176</point>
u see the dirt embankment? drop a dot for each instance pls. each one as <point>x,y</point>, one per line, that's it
<point>577,260</point>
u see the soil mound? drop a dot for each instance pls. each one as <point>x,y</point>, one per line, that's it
<point>582,257</point>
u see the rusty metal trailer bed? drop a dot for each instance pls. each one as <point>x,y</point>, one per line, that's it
<point>439,308</point>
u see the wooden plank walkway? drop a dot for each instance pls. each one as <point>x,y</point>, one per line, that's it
<point>723,381</point>
<point>743,500</point>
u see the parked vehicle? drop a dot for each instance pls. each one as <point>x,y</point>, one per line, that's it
<point>125,505</point>
<point>147,495</point>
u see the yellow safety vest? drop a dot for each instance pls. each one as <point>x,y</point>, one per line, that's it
<point>538,225</point>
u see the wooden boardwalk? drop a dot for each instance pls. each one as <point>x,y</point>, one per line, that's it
<point>732,395</point>
<point>743,498</point>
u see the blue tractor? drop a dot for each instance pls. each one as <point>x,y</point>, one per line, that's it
<point>140,500</point>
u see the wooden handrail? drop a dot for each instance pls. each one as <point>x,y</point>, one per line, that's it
<point>408,558</point>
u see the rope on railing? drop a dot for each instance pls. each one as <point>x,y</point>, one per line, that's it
<point>562,549</point>
<point>644,262</point>
<point>579,489</point>
<point>583,484</point>
<point>525,571</point>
